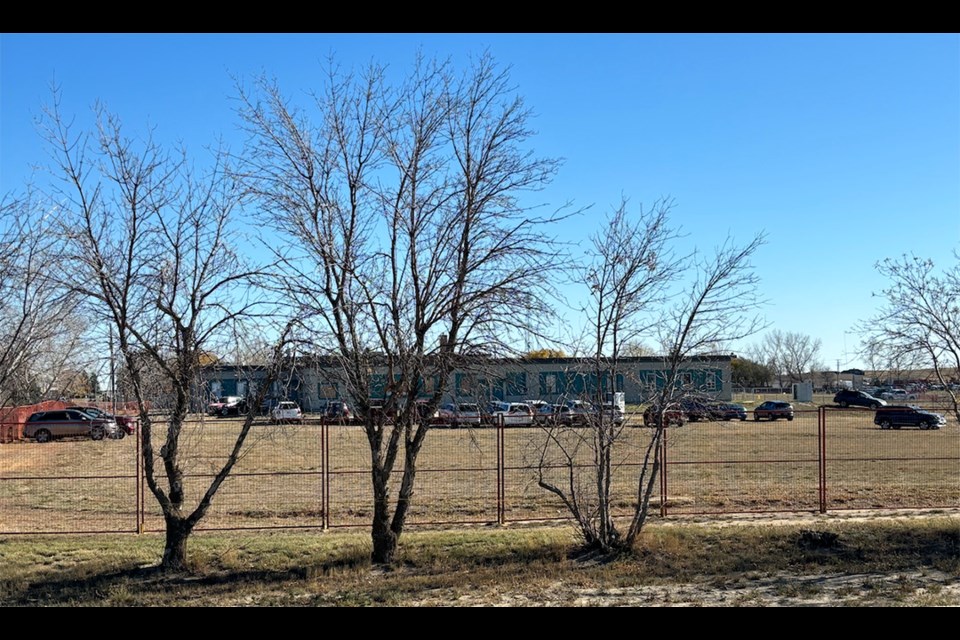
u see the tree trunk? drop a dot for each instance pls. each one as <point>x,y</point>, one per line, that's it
<point>383,538</point>
<point>175,548</point>
<point>384,542</point>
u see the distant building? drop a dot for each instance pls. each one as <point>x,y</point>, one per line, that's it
<point>314,380</point>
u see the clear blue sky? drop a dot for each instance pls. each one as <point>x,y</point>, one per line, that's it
<point>843,148</point>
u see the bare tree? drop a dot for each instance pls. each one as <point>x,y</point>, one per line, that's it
<point>919,322</point>
<point>153,252</point>
<point>638,349</point>
<point>791,355</point>
<point>40,332</point>
<point>628,270</point>
<point>629,274</point>
<point>411,250</point>
<point>889,362</point>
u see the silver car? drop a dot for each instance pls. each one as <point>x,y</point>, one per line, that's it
<point>460,414</point>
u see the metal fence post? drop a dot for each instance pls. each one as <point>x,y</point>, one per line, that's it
<point>501,471</point>
<point>139,470</point>
<point>325,472</point>
<point>822,457</point>
<point>663,470</point>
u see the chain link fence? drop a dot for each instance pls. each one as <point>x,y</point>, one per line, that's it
<point>317,475</point>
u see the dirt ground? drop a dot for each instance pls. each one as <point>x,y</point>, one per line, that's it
<point>922,587</point>
<point>911,589</point>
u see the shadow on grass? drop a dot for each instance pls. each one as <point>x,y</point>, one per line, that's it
<point>457,563</point>
<point>153,585</point>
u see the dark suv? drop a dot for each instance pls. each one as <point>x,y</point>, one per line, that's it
<point>895,416</point>
<point>773,410</point>
<point>853,398</point>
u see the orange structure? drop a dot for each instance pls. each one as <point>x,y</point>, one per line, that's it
<point>12,419</point>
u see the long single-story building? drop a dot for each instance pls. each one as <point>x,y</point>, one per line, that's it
<point>315,380</point>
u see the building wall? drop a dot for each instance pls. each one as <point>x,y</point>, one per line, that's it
<point>549,379</point>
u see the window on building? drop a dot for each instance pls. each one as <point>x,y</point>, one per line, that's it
<point>428,385</point>
<point>711,382</point>
<point>465,383</point>
<point>327,390</point>
<point>648,381</point>
<point>517,384</point>
<point>550,383</point>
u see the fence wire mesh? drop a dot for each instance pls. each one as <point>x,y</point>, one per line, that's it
<point>317,475</point>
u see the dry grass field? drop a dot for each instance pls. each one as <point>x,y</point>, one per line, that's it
<point>293,476</point>
<point>827,561</point>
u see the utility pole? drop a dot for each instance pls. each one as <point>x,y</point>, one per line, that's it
<point>838,373</point>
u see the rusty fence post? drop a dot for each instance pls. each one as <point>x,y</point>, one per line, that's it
<point>822,457</point>
<point>663,469</point>
<point>139,471</point>
<point>325,472</point>
<point>501,471</point>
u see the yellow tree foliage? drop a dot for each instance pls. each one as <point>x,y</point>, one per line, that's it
<point>545,353</point>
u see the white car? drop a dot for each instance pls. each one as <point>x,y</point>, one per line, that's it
<point>287,411</point>
<point>898,395</point>
<point>460,414</point>
<point>514,413</point>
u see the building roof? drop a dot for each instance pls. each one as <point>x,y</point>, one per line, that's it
<point>321,361</point>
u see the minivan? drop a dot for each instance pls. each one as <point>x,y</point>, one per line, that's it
<point>44,426</point>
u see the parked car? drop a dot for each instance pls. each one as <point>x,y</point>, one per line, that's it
<point>44,426</point>
<point>538,405</point>
<point>513,413</point>
<point>460,414</point>
<point>422,408</point>
<point>613,411</point>
<point>286,411</point>
<point>214,406</point>
<point>336,411</point>
<point>266,407</point>
<point>672,415</point>
<point>126,425</point>
<point>728,411</point>
<point>542,411</point>
<point>898,395</point>
<point>488,413</point>
<point>773,410</point>
<point>854,398</point>
<point>228,406</point>
<point>696,409</point>
<point>378,412</point>
<point>909,415</point>
<point>572,412</point>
